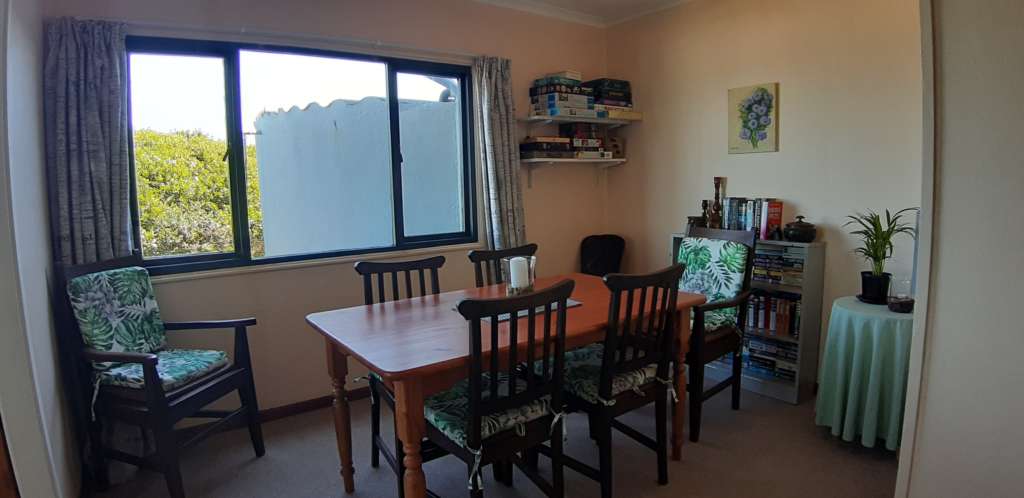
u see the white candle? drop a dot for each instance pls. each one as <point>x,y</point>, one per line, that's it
<point>519,273</point>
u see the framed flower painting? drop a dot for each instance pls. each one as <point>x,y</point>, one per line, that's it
<point>754,119</point>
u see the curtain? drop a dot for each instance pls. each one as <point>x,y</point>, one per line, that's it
<point>85,110</point>
<point>499,152</point>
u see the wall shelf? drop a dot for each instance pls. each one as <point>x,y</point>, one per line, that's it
<point>532,163</point>
<point>542,120</point>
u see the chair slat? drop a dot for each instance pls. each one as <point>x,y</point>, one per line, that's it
<point>379,271</point>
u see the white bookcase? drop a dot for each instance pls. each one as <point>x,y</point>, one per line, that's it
<point>808,340</point>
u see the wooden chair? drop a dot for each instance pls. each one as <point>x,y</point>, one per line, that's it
<point>151,386</point>
<point>717,328</point>
<point>388,275</point>
<point>488,263</point>
<point>629,370</point>
<point>512,400</point>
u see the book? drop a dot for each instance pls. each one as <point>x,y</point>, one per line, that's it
<point>613,102</point>
<point>630,115</point>
<point>546,154</point>
<point>560,105</point>
<point>593,155</point>
<point>569,99</point>
<point>570,111</point>
<point>556,80</point>
<point>554,140</point>
<point>587,142</point>
<point>568,89</point>
<point>608,84</point>
<point>567,74</point>
<point>771,217</point>
<point>548,146</point>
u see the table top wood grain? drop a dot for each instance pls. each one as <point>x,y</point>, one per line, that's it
<point>421,335</point>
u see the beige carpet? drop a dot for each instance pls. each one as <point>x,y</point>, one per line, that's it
<point>768,449</point>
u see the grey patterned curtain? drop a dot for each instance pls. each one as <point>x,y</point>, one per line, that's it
<point>499,151</point>
<point>85,106</point>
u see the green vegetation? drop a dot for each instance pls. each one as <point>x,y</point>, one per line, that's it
<point>876,235</point>
<point>184,194</point>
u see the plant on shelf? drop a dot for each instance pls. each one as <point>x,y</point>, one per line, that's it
<point>876,239</point>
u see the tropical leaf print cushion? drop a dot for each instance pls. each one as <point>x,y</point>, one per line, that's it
<point>449,410</point>
<point>117,311</point>
<point>175,367</point>
<point>714,268</point>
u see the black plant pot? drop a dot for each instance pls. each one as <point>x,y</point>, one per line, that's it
<point>874,288</point>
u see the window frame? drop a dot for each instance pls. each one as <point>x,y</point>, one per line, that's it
<point>242,255</point>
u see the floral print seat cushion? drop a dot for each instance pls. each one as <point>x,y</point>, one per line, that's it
<point>175,367</point>
<point>117,311</point>
<point>448,411</point>
<point>715,269</point>
<point>583,374</point>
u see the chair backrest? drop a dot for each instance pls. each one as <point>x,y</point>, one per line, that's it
<point>544,331</point>
<point>380,271</point>
<point>488,262</point>
<point>76,371</point>
<point>747,238</point>
<point>641,324</point>
<point>601,254</point>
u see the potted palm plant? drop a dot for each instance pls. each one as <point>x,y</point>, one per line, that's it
<point>876,238</point>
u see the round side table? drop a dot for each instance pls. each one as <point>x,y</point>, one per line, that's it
<point>862,383</point>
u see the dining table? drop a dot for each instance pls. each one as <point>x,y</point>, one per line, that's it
<point>420,346</point>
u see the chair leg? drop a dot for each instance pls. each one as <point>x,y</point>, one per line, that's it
<point>474,490</point>
<point>661,428</point>
<point>248,395</point>
<point>509,471</point>
<point>400,464</point>
<point>557,469</point>
<point>696,402</point>
<point>374,424</point>
<point>605,450</point>
<point>167,449</point>
<point>532,458</point>
<point>737,377</point>
<point>98,463</point>
<point>499,471</point>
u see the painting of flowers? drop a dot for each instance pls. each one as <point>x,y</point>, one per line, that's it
<point>753,119</point>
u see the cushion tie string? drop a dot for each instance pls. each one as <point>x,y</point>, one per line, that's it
<point>560,417</point>
<point>638,391</point>
<point>475,482</point>
<point>671,388</point>
<point>95,394</point>
<point>521,430</point>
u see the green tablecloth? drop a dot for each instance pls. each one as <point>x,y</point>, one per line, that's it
<point>862,383</point>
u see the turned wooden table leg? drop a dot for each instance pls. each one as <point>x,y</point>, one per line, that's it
<point>337,366</point>
<point>411,427</point>
<point>679,411</point>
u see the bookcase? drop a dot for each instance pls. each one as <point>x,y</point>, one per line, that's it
<point>780,356</point>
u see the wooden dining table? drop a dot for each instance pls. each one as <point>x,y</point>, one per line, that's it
<point>420,346</point>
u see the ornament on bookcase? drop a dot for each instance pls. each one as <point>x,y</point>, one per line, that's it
<point>800,231</point>
<point>715,218</point>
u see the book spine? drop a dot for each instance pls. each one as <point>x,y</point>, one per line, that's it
<point>569,111</point>
<point>567,98</point>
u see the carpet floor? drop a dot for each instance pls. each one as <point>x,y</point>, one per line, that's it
<point>767,449</point>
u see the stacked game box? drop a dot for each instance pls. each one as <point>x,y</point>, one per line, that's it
<point>615,97</point>
<point>562,94</point>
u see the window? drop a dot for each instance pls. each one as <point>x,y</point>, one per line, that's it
<point>246,154</point>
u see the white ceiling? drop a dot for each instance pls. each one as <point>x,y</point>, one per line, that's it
<point>592,12</point>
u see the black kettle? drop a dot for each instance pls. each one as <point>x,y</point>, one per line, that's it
<point>800,231</point>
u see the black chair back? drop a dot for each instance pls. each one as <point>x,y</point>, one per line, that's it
<point>372,270</point>
<point>545,341</point>
<point>488,263</point>
<point>601,254</point>
<point>641,324</point>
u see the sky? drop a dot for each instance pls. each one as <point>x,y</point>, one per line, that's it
<point>174,92</point>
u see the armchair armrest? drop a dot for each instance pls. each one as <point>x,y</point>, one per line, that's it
<point>210,324</point>
<point>718,305</point>
<point>119,357</point>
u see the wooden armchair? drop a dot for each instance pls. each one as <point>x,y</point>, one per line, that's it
<point>719,265</point>
<point>110,332</point>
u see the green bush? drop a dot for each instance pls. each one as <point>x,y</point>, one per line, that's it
<point>184,194</point>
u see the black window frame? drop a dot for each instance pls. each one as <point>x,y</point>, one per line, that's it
<point>242,255</point>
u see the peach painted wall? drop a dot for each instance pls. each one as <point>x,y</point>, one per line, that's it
<point>849,75</point>
<point>560,206</point>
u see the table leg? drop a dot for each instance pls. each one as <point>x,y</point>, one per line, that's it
<point>411,428</point>
<point>337,366</point>
<point>679,410</point>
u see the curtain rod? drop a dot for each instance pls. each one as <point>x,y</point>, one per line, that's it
<point>243,34</point>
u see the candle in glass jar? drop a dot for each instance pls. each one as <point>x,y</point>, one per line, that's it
<point>519,272</point>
